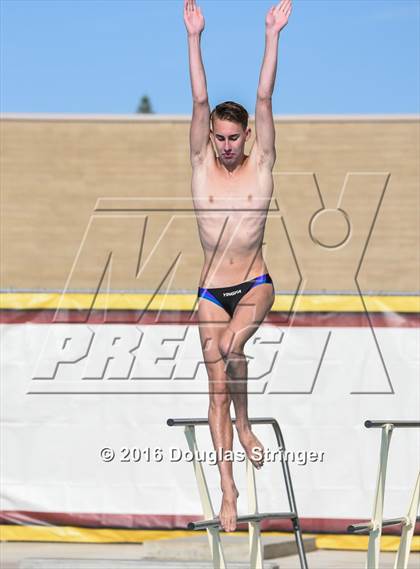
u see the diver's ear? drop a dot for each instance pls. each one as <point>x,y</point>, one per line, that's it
<point>248,133</point>
<point>212,142</point>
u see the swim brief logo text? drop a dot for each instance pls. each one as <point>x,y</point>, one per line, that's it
<point>232,293</point>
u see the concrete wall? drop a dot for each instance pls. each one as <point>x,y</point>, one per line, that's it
<point>55,169</point>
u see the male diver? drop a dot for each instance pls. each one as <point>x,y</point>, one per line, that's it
<point>231,194</point>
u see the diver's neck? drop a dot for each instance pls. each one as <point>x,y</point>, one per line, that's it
<point>235,167</point>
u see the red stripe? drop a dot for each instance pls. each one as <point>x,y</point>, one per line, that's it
<point>318,319</point>
<point>162,521</point>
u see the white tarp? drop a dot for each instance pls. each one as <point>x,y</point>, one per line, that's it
<point>117,385</point>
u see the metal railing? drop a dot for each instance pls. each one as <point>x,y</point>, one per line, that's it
<point>253,518</point>
<point>408,522</point>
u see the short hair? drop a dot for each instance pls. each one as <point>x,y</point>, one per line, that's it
<point>230,111</point>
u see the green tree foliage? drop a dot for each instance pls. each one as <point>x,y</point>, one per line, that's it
<point>145,106</point>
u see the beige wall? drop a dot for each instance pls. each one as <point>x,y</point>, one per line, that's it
<point>54,171</point>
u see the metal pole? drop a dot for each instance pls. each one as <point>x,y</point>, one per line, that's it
<point>372,561</point>
<point>212,532</point>
<point>255,545</point>
<point>291,498</point>
<point>401,561</point>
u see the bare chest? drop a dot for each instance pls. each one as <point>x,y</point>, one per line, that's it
<point>243,191</point>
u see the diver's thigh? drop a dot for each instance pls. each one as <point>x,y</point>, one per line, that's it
<point>250,312</point>
<point>212,323</point>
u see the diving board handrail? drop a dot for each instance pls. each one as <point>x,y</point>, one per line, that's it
<point>369,424</point>
<point>377,522</point>
<point>212,524</point>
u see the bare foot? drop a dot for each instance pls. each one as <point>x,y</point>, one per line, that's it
<point>228,511</point>
<point>252,446</point>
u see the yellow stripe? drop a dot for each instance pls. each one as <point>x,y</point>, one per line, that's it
<point>71,534</point>
<point>129,301</point>
<point>360,542</point>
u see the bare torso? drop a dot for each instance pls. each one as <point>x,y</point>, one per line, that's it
<point>231,210</point>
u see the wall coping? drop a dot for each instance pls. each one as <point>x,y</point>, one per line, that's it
<point>156,118</point>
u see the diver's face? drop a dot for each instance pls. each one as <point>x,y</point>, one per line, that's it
<point>229,138</point>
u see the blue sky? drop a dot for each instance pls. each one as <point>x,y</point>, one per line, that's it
<point>100,56</point>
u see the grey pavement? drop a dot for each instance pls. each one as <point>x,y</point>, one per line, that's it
<point>33,555</point>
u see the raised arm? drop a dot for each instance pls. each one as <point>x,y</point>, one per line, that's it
<point>276,20</point>
<point>200,124</point>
